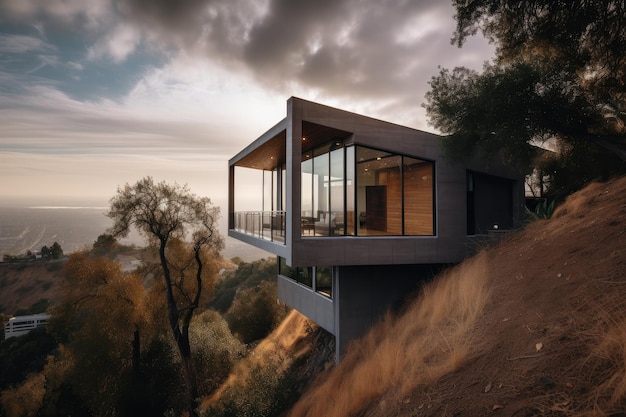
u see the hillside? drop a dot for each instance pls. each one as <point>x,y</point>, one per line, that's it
<point>23,284</point>
<point>533,327</point>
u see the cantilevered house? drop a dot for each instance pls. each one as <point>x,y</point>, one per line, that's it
<point>359,210</point>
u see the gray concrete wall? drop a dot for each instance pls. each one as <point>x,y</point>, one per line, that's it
<point>364,293</point>
<point>315,306</point>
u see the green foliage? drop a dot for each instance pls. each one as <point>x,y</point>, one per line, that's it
<point>92,372</point>
<point>224,297</point>
<point>558,76</point>
<point>247,275</point>
<point>158,387</point>
<point>20,356</point>
<point>97,318</point>
<point>543,210</point>
<point>216,350</point>
<point>255,312</point>
<point>56,252</point>
<point>247,296</point>
<point>104,245</point>
<point>268,391</point>
<point>184,228</point>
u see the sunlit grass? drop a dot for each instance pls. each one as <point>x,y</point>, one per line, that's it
<point>431,338</point>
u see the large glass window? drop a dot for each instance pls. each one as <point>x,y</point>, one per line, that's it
<point>301,274</point>
<point>318,278</point>
<point>259,202</point>
<point>321,194</point>
<point>362,191</point>
<point>379,192</point>
<point>306,192</point>
<point>324,280</point>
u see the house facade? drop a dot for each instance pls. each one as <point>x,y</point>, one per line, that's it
<point>359,211</point>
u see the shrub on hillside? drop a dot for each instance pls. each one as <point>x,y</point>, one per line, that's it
<point>20,356</point>
<point>216,349</point>
<point>255,312</point>
<point>268,390</point>
<point>247,275</point>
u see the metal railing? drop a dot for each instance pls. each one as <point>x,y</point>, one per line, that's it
<point>269,225</point>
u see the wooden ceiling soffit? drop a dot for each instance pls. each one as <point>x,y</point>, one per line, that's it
<point>315,135</point>
<point>267,156</point>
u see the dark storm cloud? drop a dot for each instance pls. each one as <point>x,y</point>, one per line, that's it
<point>352,49</point>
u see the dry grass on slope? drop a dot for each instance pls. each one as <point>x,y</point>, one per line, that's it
<point>291,354</point>
<point>23,284</point>
<point>533,327</point>
<point>432,338</point>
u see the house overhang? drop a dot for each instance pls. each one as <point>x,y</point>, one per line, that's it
<point>268,151</point>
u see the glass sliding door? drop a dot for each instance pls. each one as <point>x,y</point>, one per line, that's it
<point>357,190</point>
<point>306,192</point>
<point>321,194</point>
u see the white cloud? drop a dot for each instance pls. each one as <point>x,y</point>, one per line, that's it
<point>20,44</point>
<point>118,44</point>
<point>231,66</point>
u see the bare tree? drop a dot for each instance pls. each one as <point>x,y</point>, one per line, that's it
<point>168,215</point>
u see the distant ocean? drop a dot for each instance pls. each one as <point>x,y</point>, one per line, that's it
<point>75,228</point>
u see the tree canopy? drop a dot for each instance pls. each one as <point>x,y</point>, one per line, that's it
<point>184,229</point>
<point>558,75</point>
<point>100,313</point>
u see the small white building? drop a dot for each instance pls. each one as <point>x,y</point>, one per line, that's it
<point>21,325</point>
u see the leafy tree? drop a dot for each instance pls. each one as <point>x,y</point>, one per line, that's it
<point>255,312</point>
<point>98,320</point>
<point>105,244</point>
<point>247,275</point>
<point>216,349</point>
<point>558,75</point>
<point>23,355</point>
<point>55,251</point>
<point>166,215</point>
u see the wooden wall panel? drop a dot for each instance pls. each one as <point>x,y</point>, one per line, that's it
<point>418,200</point>
<point>394,202</point>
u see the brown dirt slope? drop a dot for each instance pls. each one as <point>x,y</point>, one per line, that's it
<point>23,284</point>
<point>533,327</point>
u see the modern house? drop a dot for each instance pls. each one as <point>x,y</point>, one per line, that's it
<point>359,211</point>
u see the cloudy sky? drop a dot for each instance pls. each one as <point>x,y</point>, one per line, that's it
<point>98,93</point>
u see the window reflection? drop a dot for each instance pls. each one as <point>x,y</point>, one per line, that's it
<point>363,191</point>
<point>323,280</point>
<point>322,276</point>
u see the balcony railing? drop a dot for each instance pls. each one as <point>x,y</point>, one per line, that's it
<point>269,225</point>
